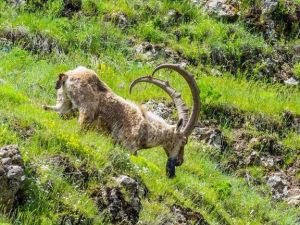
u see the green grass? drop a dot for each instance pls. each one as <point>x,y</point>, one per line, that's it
<point>28,82</point>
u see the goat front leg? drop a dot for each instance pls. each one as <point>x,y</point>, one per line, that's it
<point>86,118</point>
<point>56,108</point>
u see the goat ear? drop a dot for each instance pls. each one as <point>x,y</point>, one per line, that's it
<point>60,81</point>
<point>179,125</point>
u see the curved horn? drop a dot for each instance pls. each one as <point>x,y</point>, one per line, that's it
<point>187,130</point>
<point>181,107</point>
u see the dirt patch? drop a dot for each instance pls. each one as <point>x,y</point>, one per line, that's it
<point>232,117</point>
<point>79,175</point>
<point>24,131</point>
<point>74,218</point>
<point>34,42</point>
<point>71,7</point>
<point>187,216</point>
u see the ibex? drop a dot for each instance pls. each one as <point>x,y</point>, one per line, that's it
<point>129,124</point>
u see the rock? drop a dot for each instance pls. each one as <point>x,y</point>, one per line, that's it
<point>17,2</point>
<point>215,72</point>
<point>150,51</point>
<point>71,6</point>
<point>120,200</point>
<point>295,200</point>
<point>210,135</point>
<point>187,216</point>
<point>267,162</point>
<point>269,6</point>
<point>118,18</point>
<point>291,81</point>
<point>253,158</point>
<point>161,109</point>
<point>279,186</point>
<point>11,176</point>
<point>79,175</point>
<point>227,9</point>
<point>121,85</point>
<point>2,81</point>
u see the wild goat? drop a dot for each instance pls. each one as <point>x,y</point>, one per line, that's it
<point>129,124</point>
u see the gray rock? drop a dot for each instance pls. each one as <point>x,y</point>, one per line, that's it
<point>150,51</point>
<point>17,2</point>
<point>121,199</point>
<point>252,158</point>
<point>1,80</point>
<point>291,81</point>
<point>11,175</point>
<point>210,135</point>
<point>269,6</point>
<point>279,186</point>
<point>161,109</point>
<point>223,8</point>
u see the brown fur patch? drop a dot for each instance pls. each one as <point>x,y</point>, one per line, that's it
<point>61,79</point>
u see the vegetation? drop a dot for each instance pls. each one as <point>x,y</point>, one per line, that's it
<point>40,39</point>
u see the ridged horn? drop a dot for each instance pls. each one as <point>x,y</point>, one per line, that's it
<point>187,130</point>
<point>181,107</point>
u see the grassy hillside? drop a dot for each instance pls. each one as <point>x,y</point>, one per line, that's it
<point>66,166</point>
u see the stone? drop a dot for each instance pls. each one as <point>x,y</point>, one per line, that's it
<point>118,18</point>
<point>11,176</point>
<point>121,199</point>
<point>269,6</point>
<point>279,186</point>
<point>161,109</point>
<point>223,8</point>
<point>267,162</point>
<point>210,135</point>
<point>253,158</point>
<point>291,81</point>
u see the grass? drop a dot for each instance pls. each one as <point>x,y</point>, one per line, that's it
<point>87,39</point>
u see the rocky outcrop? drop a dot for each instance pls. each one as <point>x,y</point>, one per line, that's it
<point>11,176</point>
<point>284,187</point>
<point>34,42</point>
<point>148,51</point>
<point>118,18</point>
<point>120,200</point>
<point>225,9</point>
<point>162,109</point>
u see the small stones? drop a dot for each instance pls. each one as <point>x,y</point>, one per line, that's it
<point>210,135</point>
<point>11,175</point>
<point>161,109</point>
